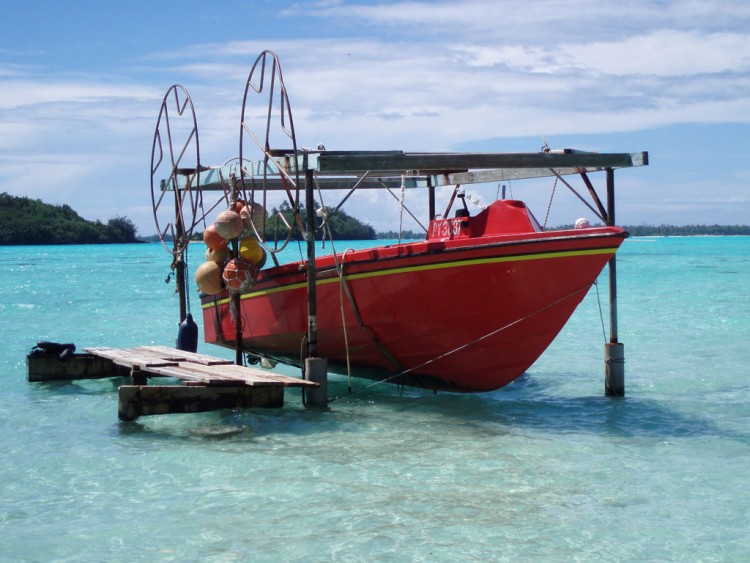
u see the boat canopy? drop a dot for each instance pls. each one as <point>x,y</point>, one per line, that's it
<point>393,169</point>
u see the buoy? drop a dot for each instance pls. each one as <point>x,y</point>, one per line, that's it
<point>229,224</point>
<point>208,278</point>
<point>237,205</point>
<point>219,256</point>
<point>187,335</point>
<point>251,251</point>
<point>213,239</point>
<point>239,275</point>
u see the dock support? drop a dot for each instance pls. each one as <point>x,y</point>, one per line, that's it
<point>614,369</point>
<point>614,351</point>
<point>316,369</point>
<point>142,400</point>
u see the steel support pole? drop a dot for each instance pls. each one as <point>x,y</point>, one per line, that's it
<point>179,259</point>
<point>316,369</point>
<point>614,351</point>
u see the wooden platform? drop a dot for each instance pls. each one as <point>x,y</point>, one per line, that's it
<point>207,383</point>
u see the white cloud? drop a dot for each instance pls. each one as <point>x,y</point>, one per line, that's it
<point>395,75</point>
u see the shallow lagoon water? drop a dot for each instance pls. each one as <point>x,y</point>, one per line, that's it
<point>545,469</point>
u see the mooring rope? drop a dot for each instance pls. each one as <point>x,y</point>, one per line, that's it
<point>549,205</point>
<point>343,321</point>
<point>473,342</point>
<point>601,314</point>
<point>401,202</point>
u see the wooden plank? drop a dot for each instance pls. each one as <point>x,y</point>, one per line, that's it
<point>180,355</point>
<point>191,373</point>
<point>131,357</point>
<point>233,371</point>
<point>77,366</point>
<point>137,400</point>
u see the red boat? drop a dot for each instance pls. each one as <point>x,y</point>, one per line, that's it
<point>469,308</point>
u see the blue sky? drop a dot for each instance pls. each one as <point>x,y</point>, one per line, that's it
<point>81,85</point>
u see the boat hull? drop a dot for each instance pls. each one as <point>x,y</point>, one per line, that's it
<point>463,314</point>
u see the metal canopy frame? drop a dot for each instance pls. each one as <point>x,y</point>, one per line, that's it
<point>388,169</point>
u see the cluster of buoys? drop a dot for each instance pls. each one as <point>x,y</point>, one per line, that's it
<point>225,268</point>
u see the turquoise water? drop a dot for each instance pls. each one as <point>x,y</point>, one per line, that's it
<point>546,469</point>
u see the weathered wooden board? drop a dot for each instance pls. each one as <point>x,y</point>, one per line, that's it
<point>131,357</point>
<point>143,400</point>
<point>252,376</point>
<point>173,353</point>
<point>76,366</point>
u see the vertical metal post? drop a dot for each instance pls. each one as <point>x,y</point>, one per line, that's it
<point>312,307</point>
<point>316,369</point>
<point>234,297</point>
<point>179,259</point>
<point>431,198</point>
<point>614,351</point>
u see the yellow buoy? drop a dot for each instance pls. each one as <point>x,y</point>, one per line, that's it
<point>251,251</point>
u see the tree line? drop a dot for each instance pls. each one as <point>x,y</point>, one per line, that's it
<point>25,221</point>
<point>686,230</point>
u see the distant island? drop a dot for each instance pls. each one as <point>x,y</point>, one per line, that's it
<point>25,221</point>
<point>681,230</point>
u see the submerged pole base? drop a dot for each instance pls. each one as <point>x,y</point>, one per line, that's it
<point>316,369</point>
<point>614,365</point>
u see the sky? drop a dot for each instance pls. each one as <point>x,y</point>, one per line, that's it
<point>81,86</point>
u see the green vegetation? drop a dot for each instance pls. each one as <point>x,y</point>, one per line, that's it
<point>25,221</point>
<point>686,230</point>
<point>679,230</point>
<point>405,235</point>
<point>342,226</point>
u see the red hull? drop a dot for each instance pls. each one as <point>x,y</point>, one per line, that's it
<point>468,312</point>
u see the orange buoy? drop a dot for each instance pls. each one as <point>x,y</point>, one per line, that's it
<point>229,224</point>
<point>239,275</point>
<point>213,239</point>
<point>208,278</point>
<point>237,205</point>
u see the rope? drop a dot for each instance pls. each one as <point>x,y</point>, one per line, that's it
<point>475,341</point>
<point>579,196</point>
<point>601,314</point>
<point>343,321</point>
<point>401,202</point>
<point>549,205</point>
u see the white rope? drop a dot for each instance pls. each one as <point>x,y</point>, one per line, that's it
<point>343,320</point>
<point>549,205</point>
<point>401,217</point>
<point>475,341</point>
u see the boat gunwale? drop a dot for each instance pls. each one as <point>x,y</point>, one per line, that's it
<point>328,273</point>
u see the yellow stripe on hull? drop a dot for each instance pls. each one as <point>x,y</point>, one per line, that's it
<point>426,267</point>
